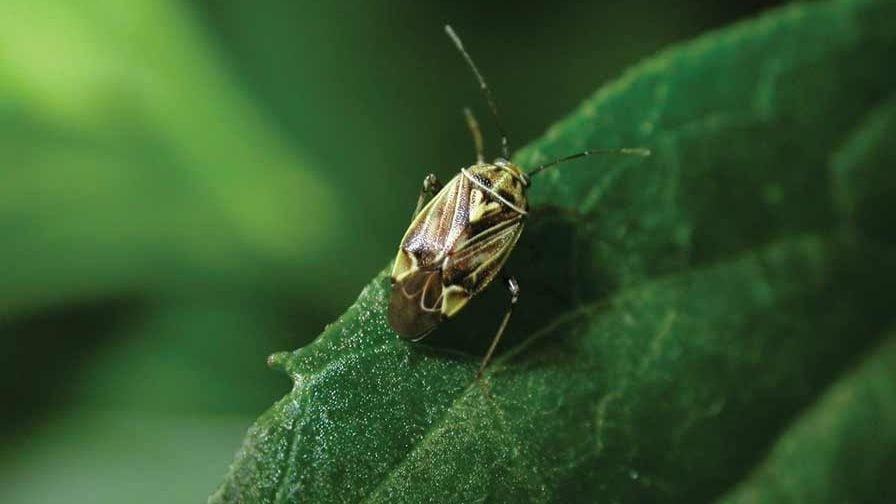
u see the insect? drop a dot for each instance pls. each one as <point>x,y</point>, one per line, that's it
<point>459,239</point>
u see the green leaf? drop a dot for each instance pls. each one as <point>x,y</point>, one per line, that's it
<point>675,318</point>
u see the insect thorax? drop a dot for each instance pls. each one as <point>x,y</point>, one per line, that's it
<point>501,183</point>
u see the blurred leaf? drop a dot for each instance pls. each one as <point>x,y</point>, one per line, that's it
<point>815,459</point>
<point>702,300</point>
<point>130,159</point>
<point>161,364</point>
<point>113,457</point>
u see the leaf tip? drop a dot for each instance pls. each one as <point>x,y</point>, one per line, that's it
<point>278,361</point>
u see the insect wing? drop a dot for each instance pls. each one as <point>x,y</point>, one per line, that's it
<point>434,231</point>
<point>475,262</point>
<point>415,307</point>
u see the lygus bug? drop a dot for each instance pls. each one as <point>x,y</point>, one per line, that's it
<point>458,242</point>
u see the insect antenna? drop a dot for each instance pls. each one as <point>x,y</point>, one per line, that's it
<point>616,152</point>
<point>505,147</point>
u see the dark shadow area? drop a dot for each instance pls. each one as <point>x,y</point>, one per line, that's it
<point>44,351</point>
<point>552,281</point>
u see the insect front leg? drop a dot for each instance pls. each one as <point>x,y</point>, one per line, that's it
<point>514,289</point>
<point>431,185</point>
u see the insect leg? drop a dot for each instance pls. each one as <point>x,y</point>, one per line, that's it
<point>514,289</point>
<point>431,185</point>
<point>477,134</point>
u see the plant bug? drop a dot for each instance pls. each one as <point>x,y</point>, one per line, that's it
<point>459,240</point>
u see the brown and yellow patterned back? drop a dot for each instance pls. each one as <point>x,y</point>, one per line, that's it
<point>456,245</point>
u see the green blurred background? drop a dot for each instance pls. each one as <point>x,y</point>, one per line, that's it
<point>187,187</point>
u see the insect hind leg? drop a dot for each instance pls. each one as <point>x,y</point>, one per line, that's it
<point>514,287</point>
<point>431,186</point>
